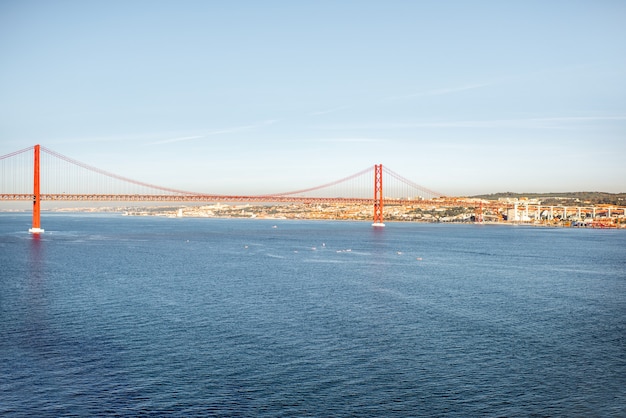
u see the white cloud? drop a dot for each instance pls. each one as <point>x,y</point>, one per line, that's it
<point>529,123</point>
<point>222,131</point>
<point>351,140</point>
<point>332,110</point>
<point>438,92</point>
<point>184,138</point>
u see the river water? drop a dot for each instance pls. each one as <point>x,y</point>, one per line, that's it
<point>112,315</point>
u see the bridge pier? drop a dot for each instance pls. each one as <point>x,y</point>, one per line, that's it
<point>36,229</point>
<point>378,196</point>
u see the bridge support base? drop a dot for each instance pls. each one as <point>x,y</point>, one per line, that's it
<point>378,224</point>
<point>36,230</point>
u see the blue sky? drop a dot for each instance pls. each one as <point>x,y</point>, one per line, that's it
<point>271,96</point>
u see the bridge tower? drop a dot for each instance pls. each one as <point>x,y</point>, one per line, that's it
<point>378,196</point>
<point>36,229</point>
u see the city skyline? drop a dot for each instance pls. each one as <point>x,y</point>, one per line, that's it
<point>246,97</point>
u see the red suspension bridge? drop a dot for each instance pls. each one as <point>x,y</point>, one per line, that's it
<point>40,174</point>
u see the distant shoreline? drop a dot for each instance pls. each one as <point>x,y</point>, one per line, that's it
<point>171,215</point>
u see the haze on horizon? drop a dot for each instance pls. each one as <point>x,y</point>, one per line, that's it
<point>251,97</point>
